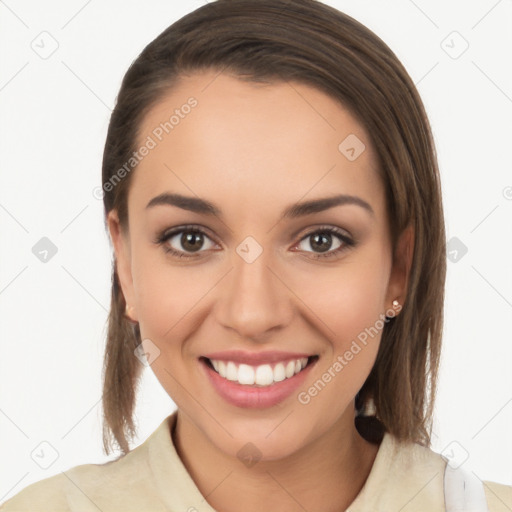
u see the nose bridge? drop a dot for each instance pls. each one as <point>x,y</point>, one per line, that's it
<point>254,300</point>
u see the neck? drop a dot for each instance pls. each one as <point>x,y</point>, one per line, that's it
<point>326,475</point>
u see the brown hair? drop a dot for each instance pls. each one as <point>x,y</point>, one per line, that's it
<point>308,42</point>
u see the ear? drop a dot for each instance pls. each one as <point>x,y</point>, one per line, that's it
<point>402,261</point>
<point>121,243</point>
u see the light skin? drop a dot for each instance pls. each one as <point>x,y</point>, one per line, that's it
<point>253,150</point>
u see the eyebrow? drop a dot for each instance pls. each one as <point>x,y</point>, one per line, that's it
<point>198,205</point>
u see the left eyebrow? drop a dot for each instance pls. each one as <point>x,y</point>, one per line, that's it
<point>202,206</point>
<point>319,205</point>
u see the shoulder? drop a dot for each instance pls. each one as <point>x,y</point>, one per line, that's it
<point>78,488</point>
<point>416,473</point>
<point>499,496</point>
<point>125,481</point>
<point>46,494</point>
<point>405,476</point>
<point>412,460</point>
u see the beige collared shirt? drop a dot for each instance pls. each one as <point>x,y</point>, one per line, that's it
<point>152,478</point>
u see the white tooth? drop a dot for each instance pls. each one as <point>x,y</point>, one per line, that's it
<point>264,375</point>
<point>245,374</point>
<point>279,373</point>
<point>222,369</point>
<point>231,371</point>
<point>290,369</point>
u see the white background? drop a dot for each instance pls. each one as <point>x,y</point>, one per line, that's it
<point>53,122</point>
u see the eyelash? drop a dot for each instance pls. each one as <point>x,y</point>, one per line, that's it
<point>163,237</point>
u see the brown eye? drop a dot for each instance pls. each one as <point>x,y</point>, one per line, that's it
<point>325,242</point>
<point>184,242</point>
<point>321,242</point>
<point>192,241</point>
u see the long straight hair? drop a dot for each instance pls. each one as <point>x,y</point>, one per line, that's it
<point>308,42</point>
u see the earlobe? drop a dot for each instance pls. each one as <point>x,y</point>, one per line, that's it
<point>121,246</point>
<point>399,279</point>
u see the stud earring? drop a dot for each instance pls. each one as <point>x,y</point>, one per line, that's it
<point>393,312</point>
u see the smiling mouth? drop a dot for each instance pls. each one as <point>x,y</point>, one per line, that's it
<point>263,375</point>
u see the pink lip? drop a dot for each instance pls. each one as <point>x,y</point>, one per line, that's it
<point>255,358</point>
<point>255,397</point>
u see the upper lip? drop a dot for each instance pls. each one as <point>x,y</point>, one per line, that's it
<point>255,358</point>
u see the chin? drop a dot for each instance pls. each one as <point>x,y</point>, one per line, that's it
<point>268,439</point>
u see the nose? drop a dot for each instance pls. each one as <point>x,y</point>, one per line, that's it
<point>255,301</point>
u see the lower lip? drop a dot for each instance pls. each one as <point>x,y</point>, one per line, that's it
<point>254,397</point>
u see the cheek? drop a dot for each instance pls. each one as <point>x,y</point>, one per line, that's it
<point>168,296</point>
<point>352,313</point>
<point>169,304</point>
<point>352,309</point>
<point>346,300</point>
<point>349,305</point>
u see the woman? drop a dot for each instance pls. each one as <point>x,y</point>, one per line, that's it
<point>273,200</point>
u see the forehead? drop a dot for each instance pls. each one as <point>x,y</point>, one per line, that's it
<point>279,142</point>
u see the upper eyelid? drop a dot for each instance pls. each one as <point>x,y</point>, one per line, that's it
<point>172,232</point>
<point>324,227</point>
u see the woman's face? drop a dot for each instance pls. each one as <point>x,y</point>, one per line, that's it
<point>270,277</point>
